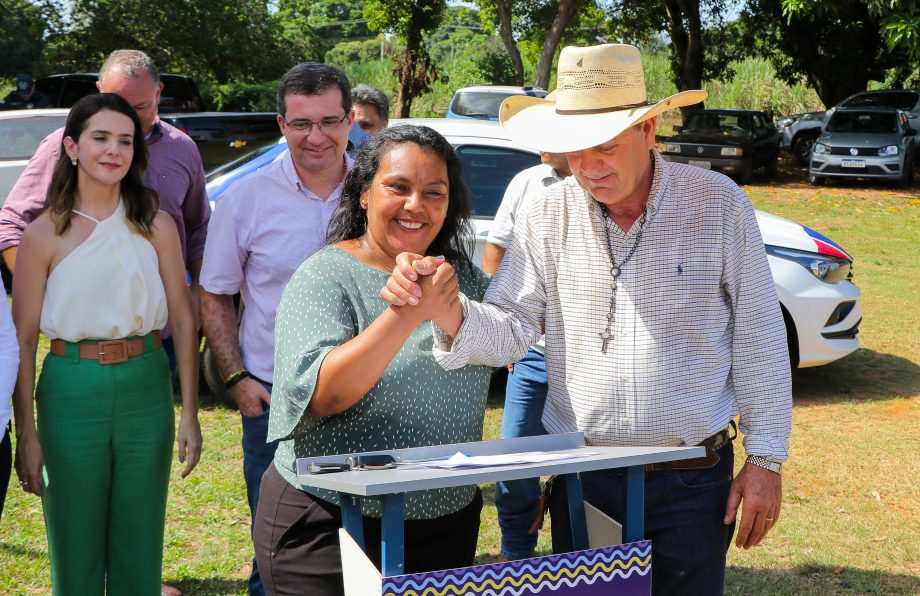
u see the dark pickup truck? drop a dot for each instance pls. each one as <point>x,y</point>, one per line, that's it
<point>220,136</point>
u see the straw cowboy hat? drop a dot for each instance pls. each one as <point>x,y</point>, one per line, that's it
<point>600,92</point>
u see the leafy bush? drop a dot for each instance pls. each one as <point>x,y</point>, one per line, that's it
<point>241,97</point>
<point>357,52</point>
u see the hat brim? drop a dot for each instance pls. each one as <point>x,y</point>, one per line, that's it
<point>533,122</point>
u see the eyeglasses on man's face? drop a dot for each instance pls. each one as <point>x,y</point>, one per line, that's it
<point>328,124</point>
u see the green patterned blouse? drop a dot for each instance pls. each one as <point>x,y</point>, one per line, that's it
<point>330,299</point>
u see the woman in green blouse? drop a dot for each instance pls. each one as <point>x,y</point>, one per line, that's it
<point>353,374</point>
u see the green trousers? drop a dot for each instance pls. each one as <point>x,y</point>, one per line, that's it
<point>107,434</point>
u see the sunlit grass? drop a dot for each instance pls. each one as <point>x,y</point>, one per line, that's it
<point>852,502</point>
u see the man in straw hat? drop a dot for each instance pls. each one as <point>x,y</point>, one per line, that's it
<point>662,322</point>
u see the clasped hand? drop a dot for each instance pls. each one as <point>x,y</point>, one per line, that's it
<point>428,286</point>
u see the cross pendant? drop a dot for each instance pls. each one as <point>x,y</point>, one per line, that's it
<point>605,336</point>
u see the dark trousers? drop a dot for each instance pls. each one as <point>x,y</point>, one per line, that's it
<point>257,457</point>
<point>297,541</point>
<point>683,519</point>
<point>6,464</point>
<point>516,500</point>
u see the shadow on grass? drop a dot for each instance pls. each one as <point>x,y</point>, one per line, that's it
<point>190,587</point>
<point>20,551</point>
<point>861,376</point>
<point>817,580</point>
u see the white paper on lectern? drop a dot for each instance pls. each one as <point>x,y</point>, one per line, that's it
<point>460,460</point>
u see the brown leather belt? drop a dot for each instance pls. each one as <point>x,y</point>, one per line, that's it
<point>111,351</point>
<point>712,445</point>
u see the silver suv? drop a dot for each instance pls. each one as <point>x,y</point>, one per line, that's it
<point>800,131</point>
<point>865,142</point>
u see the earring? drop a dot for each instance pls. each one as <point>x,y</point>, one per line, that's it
<point>364,204</point>
<point>73,160</point>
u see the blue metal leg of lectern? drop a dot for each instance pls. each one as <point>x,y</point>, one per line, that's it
<point>351,517</point>
<point>393,536</point>
<point>576,511</point>
<point>634,525</point>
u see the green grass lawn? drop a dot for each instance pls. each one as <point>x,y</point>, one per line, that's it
<point>851,515</point>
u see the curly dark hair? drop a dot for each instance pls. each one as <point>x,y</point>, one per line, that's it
<point>455,240</point>
<point>141,201</point>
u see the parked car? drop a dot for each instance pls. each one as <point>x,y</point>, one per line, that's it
<point>869,142</point>
<point>482,101</point>
<point>813,275</point>
<point>734,142</point>
<point>180,93</point>
<point>224,136</point>
<point>220,136</point>
<point>21,132</point>
<point>800,131</point>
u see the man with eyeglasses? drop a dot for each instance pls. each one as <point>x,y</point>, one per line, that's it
<point>263,228</point>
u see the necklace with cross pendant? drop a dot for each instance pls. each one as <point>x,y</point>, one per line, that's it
<point>615,270</point>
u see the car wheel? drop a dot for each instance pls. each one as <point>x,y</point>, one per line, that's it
<point>772,168</point>
<point>816,180</point>
<point>744,173</point>
<point>908,178</point>
<point>801,147</point>
<point>212,377</point>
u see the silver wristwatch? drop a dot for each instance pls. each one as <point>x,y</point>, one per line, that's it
<point>763,462</point>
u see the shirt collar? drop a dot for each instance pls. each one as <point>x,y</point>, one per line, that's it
<point>290,173</point>
<point>659,187</point>
<point>155,134</point>
<point>552,176</point>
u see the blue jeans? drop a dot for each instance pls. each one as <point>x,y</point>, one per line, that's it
<point>516,500</point>
<point>683,519</point>
<point>257,456</point>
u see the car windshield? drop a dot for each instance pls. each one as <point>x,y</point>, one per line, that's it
<point>20,137</point>
<point>902,100</point>
<point>476,104</point>
<point>487,172</point>
<point>242,160</point>
<point>871,122</point>
<point>719,122</point>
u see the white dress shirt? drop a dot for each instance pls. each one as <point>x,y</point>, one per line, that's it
<point>698,334</point>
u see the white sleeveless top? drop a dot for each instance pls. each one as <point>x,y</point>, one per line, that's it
<point>109,287</point>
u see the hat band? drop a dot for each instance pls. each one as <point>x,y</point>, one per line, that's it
<point>603,110</point>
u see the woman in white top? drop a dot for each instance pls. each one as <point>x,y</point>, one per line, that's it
<point>99,274</point>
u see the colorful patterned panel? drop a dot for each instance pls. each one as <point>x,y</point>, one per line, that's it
<point>623,570</point>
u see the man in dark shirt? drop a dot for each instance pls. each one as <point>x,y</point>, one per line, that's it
<point>25,96</point>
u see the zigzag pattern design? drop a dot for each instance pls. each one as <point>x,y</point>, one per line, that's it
<point>530,576</point>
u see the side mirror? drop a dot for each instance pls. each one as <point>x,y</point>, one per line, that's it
<point>678,128</point>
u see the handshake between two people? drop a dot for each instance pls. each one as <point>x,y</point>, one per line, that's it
<point>425,288</point>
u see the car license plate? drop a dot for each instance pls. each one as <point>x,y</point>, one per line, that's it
<point>700,164</point>
<point>853,163</point>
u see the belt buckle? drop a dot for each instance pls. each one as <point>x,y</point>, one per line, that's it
<point>113,352</point>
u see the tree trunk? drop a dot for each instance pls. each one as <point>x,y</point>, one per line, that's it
<point>564,16</point>
<point>406,73</point>
<point>504,18</point>
<point>686,33</point>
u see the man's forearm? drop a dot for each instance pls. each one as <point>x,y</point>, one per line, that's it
<point>218,317</point>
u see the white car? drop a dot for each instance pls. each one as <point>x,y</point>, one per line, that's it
<point>21,132</point>
<point>813,276</point>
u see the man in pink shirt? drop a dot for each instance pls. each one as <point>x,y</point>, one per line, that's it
<point>264,227</point>
<point>174,168</point>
